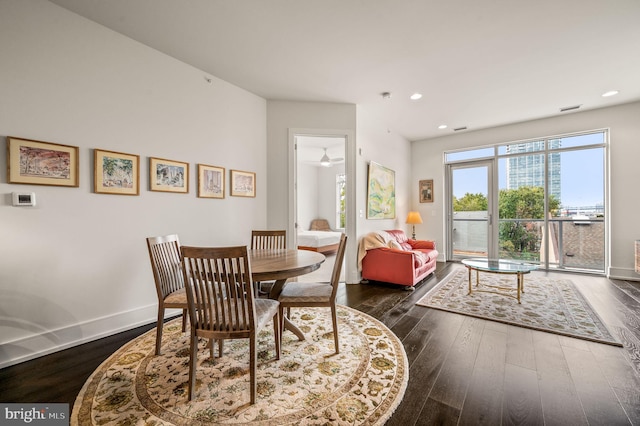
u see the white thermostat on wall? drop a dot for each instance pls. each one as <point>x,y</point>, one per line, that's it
<point>24,198</point>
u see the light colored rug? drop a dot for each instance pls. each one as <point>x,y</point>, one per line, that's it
<point>362,385</point>
<point>548,304</point>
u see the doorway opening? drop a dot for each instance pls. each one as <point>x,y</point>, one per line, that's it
<point>320,191</point>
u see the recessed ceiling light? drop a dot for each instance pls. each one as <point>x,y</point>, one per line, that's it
<point>442,126</point>
<point>416,96</point>
<point>610,93</point>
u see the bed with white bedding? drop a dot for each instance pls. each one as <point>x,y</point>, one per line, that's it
<point>320,241</point>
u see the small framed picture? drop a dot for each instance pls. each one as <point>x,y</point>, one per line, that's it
<point>168,175</point>
<point>41,163</point>
<point>243,184</point>
<point>210,181</point>
<point>426,191</point>
<point>116,173</point>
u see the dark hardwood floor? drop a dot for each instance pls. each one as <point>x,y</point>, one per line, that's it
<point>462,370</point>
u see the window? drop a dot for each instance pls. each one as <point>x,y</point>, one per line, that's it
<point>548,195</point>
<point>341,189</point>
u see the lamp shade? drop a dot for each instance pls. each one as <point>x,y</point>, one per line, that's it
<point>414,218</point>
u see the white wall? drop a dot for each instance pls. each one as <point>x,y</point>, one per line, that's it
<point>380,144</point>
<point>316,194</point>
<point>319,118</point>
<point>327,197</point>
<point>75,267</point>
<point>307,193</point>
<point>624,173</point>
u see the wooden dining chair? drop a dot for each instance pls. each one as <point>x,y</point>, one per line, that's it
<point>299,294</point>
<point>166,263</point>
<point>222,304</point>
<point>267,240</point>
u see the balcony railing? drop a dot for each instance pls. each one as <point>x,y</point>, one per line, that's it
<point>573,244</point>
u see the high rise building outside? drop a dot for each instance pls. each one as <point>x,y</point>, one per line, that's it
<point>528,170</point>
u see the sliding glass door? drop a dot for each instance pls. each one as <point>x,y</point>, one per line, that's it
<point>540,201</point>
<point>470,219</point>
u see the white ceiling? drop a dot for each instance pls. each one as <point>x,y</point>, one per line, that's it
<point>478,63</point>
<point>312,148</point>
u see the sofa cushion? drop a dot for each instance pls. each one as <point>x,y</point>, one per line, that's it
<point>423,244</point>
<point>395,245</point>
<point>430,254</point>
<point>399,235</point>
<point>420,258</point>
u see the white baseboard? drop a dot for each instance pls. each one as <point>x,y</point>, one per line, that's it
<point>623,274</point>
<point>37,345</point>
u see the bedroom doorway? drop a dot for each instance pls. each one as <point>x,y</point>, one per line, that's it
<point>320,192</point>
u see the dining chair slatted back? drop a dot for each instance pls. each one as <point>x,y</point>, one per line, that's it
<point>268,239</point>
<point>222,305</point>
<point>302,294</point>
<point>166,263</point>
<point>261,240</point>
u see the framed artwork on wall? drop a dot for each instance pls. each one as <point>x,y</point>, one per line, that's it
<point>210,181</point>
<point>425,189</point>
<point>41,163</point>
<point>168,175</point>
<point>116,173</point>
<point>381,192</point>
<point>243,184</point>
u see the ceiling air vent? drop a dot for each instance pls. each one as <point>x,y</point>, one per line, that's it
<point>459,128</point>
<point>570,108</point>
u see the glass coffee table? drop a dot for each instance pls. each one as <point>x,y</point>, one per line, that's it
<point>499,267</point>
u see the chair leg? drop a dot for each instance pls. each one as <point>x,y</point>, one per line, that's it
<point>211,344</point>
<point>253,361</point>
<point>184,320</point>
<point>334,319</point>
<point>276,331</point>
<point>159,327</point>
<point>193,360</point>
<point>281,321</point>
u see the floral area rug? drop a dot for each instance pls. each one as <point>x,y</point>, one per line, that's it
<point>309,385</point>
<point>548,304</point>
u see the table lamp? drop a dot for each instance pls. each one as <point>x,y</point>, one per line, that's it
<point>414,218</point>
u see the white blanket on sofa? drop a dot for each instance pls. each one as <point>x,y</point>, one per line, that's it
<point>373,240</point>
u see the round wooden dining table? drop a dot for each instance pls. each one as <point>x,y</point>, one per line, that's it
<point>280,265</point>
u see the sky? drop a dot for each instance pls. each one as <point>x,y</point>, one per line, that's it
<point>582,174</point>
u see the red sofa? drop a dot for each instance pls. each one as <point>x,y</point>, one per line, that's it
<point>391,257</point>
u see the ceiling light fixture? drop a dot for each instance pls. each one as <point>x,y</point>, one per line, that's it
<point>325,161</point>
<point>610,93</point>
<point>442,126</point>
<point>416,96</point>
